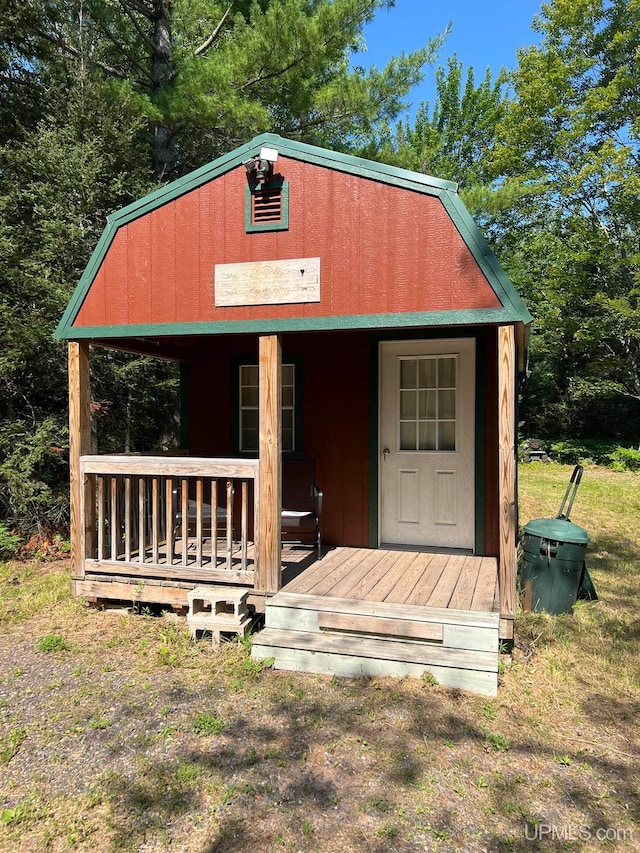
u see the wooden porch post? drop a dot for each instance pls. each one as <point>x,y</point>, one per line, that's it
<point>269,567</point>
<point>507,475</point>
<point>82,505</point>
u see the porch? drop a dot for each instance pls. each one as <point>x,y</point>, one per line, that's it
<point>157,527</point>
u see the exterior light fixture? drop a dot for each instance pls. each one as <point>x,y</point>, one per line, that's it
<point>260,167</point>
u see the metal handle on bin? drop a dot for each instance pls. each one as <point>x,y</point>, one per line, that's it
<point>574,482</point>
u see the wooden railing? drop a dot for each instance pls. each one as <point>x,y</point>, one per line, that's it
<point>170,517</point>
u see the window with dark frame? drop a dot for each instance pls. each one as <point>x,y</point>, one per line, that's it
<point>249,408</point>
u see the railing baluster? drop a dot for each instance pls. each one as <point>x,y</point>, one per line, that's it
<point>185,522</point>
<point>101,518</point>
<point>214,523</point>
<point>155,520</point>
<point>142,516</point>
<point>229,523</point>
<point>245,526</point>
<point>127,519</point>
<point>169,519</point>
<point>113,518</point>
<point>199,522</point>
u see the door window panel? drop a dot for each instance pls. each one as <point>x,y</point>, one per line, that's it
<point>427,406</point>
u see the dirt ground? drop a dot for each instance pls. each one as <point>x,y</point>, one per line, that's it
<point>118,733</point>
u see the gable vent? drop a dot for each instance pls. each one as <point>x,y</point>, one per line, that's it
<point>266,206</point>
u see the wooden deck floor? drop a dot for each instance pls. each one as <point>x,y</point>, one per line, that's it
<point>450,581</point>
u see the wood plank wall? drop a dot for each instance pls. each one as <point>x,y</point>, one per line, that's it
<point>382,248</point>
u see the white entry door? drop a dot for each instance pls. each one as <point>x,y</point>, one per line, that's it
<point>427,440</point>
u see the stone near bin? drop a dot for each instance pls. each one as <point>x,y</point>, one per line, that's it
<point>219,610</point>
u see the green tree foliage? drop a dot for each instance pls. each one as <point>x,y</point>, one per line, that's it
<point>568,149</point>
<point>99,101</point>
<point>452,140</point>
<point>58,180</point>
<point>207,75</point>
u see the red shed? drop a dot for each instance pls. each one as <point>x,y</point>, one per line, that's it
<point>344,329</point>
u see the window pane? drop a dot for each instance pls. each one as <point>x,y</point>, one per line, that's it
<point>446,436</point>
<point>249,440</point>
<point>446,373</point>
<point>428,435</point>
<point>408,436</point>
<point>427,373</point>
<point>287,419</point>
<point>250,419</point>
<point>249,396</point>
<point>249,374</point>
<point>408,373</point>
<point>287,395</point>
<point>407,404</point>
<point>287,374</point>
<point>427,405</point>
<point>287,440</point>
<point>447,404</point>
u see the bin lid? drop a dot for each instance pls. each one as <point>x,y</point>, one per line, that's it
<point>557,529</point>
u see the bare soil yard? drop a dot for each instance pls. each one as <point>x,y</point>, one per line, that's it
<point>118,733</point>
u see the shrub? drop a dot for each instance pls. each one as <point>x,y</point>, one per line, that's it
<point>625,459</point>
<point>34,478</point>
<point>9,543</point>
<point>575,451</point>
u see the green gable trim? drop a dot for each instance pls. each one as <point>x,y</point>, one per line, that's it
<point>485,316</point>
<point>402,178</point>
<point>358,166</point>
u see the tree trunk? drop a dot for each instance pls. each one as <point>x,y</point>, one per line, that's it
<point>162,70</point>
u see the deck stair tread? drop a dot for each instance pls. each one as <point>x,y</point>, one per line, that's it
<point>380,649</point>
<point>384,609</point>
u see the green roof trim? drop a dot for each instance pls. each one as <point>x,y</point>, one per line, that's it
<point>467,317</point>
<point>514,309</point>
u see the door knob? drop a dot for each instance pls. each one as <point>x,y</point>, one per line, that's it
<point>386,452</point>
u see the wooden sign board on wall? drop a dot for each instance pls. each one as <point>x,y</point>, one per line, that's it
<point>267,282</point>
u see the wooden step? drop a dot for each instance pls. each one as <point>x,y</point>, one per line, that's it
<point>353,656</point>
<point>459,629</point>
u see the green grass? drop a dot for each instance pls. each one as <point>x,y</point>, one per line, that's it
<point>201,749</point>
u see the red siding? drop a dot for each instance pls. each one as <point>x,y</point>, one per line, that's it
<point>335,417</point>
<point>335,420</point>
<point>382,249</point>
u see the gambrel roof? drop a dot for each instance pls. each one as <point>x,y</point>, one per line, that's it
<point>396,249</point>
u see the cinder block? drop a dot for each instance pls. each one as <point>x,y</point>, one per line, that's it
<point>218,609</point>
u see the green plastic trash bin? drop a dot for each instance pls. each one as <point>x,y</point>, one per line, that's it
<point>554,550</point>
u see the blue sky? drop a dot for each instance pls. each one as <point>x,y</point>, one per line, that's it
<point>483,34</point>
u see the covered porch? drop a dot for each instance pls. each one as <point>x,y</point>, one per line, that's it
<point>133,538</point>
